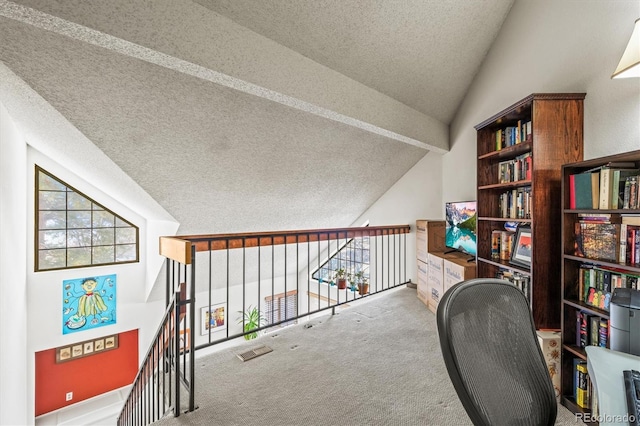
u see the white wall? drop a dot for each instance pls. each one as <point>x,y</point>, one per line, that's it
<point>47,131</point>
<point>417,195</point>
<point>544,46</point>
<point>552,46</point>
<point>44,289</point>
<point>14,392</point>
<point>30,303</point>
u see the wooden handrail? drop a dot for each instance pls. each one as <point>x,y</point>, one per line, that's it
<point>179,247</point>
<point>176,248</point>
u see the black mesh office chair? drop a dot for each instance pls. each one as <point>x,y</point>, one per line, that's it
<point>492,354</point>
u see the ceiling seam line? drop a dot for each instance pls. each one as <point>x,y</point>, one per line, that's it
<point>97,38</point>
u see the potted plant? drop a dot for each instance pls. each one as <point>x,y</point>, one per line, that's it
<point>352,281</point>
<point>252,318</point>
<point>341,279</point>
<point>363,286</point>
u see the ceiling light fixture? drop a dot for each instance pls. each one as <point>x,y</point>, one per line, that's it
<point>629,65</point>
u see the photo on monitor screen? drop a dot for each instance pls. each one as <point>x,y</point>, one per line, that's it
<point>460,233</point>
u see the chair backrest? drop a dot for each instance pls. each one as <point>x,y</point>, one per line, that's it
<point>492,355</point>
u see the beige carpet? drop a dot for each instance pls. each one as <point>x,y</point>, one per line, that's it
<point>374,363</point>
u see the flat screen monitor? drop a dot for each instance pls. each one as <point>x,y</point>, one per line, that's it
<point>460,226</point>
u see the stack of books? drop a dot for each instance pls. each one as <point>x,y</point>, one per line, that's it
<point>611,186</point>
<point>516,203</point>
<point>513,135</point>
<point>591,330</point>
<point>515,170</point>
<point>518,279</point>
<point>583,389</point>
<point>501,244</point>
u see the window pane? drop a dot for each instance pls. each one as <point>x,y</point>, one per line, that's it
<point>103,236</point>
<point>79,219</point>
<point>49,200</point>
<point>125,235</point>
<point>79,238</point>
<point>76,201</point>
<point>79,256</point>
<point>52,239</point>
<point>121,223</point>
<point>125,253</point>
<point>47,182</point>
<point>103,219</point>
<point>52,220</point>
<point>50,259</point>
<point>103,255</point>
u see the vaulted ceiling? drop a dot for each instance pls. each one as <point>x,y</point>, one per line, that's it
<point>242,115</point>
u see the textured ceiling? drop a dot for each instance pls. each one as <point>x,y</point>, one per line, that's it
<point>220,158</point>
<point>423,53</point>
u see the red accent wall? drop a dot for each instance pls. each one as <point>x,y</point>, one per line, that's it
<point>85,377</point>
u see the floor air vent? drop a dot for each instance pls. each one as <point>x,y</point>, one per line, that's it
<point>254,353</point>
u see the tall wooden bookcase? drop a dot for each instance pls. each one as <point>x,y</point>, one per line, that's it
<point>572,302</point>
<point>556,134</point>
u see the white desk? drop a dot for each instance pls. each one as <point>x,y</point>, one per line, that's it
<point>605,370</point>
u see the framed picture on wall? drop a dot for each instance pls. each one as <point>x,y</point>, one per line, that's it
<point>213,318</point>
<point>76,351</point>
<point>88,303</point>
<point>65,353</point>
<point>86,348</point>
<point>98,345</point>
<point>110,342</point>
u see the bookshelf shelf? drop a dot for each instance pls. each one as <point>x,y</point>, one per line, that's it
<point>631,267</point>
<point>577,270</point>
<point>508,152</point>
<point>576,350</point>
<point>504,219</point>
<point>508,185</point>
<point>506,265</point>
<point>526,169</point>
<point>586,308</point>
<point>570,403</point>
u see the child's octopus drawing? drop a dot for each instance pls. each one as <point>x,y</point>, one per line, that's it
<point>89,303</point>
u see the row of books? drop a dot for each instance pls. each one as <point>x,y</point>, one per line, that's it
<point>595,285</point>
<point>591,330</point>
<point>613,186</point>
<point>501,244</point>
<point>631,195</point>
<point>522,281</point>
<point>597,237</point>
<point>513,135</point>
<point>516,203</point>
<point>629,243</point>
<point>583,392</point>
<point>515,170</point>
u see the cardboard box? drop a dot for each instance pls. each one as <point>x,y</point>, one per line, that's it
<point>435,286</point>
<point>429,238</point>
<point>456,271</point>
<point>550,343</point>
<point>422,287</point>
